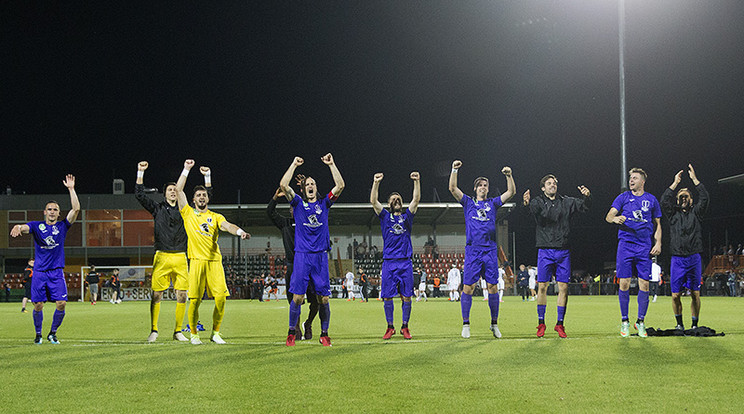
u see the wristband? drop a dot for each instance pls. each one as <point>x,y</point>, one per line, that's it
<point>208,180</point>
<point>240,232</point>
<point>140,174</point>
<point>185,172</point>
<point>454,170</point>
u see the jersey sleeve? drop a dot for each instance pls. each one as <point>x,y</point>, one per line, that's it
<point>656,211</point>
<point>295,200</point>
<point>383,214</point>
<point>465,200</point>
<point>66,223</point>
<point>497,202</point>
<point>617,204</point>
<point>219,219</point>
<point>185,211</point>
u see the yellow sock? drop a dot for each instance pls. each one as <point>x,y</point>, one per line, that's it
<point>154,314</point>
<point>194,314</point>
<point>219,312</point>
<point>180,312</point>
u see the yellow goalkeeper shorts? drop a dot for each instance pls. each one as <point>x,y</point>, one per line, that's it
<point>209,275</point>
<point>169,268</point>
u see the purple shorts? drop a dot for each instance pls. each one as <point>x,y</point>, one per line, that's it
<point>481,262</point>
<point>553,262</point>
<point>396,278</point>
<point>633,256</point>
<point>48,286</point>
<point>309,266</point>
<point>686,271</point>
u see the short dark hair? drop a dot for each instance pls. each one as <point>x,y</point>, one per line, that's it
<point>639,171</point>
<point>395,193</point>
<point>199,188</point>
<point>166,185</point>
<point>546,178</point>
<point>50,202</point>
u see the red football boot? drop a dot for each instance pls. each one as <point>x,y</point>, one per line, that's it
<point>541,330</point>
<point>290,340</point>
<point>388,333</point>
<point>325,340</point>
<point>406,333</point>
<point>561,331</point>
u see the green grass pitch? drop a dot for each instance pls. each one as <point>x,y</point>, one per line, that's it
<point>104,364</point>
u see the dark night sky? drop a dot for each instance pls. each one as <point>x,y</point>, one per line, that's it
<point>383,85</point>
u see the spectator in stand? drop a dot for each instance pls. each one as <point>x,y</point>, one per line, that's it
<point>739,250</point>
<point>7,292</point>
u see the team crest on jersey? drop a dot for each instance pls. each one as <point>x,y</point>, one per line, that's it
<point>397,229</point>
<point>42,227</point>
<point>49,240</point>
<point>645,205</point>
<point>638,216</point>
<point>317,209</point>
<point>313,221</point>
<point>55,231</point>
<point>483,213</point>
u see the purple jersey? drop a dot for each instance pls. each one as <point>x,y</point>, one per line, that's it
<point>311,224</point>
<point>480,221</point>
<point>639,212</point>
<point>49,244</point>
<point>396,234</point>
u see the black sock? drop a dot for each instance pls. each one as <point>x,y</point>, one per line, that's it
<point>324,334</point>
<point>390,326</point>
<point>541,321</point>
<point>466,323</point>
<point>625,320</point>
<point>404,326</point>
<point>679,320</point>
<point>291,332</point>
<point>559,323</point>
<point>695,322</point>
<point>639,320</point>
<point>494,322</point>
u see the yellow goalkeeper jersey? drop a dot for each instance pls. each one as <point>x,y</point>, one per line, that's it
<point>202,230</point>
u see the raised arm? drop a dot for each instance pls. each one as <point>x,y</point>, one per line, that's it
<point>276,218</point>
<point>287,177</point>
<point>454,190</point>
<point>374,193</point>
<point>416,177</point>
<point>207,173</point>
<point>234,230</point>
<point>139,188</point>
<point>511,187</point>
<point>667,199</point>
<point>337,179</point>
<point>182,200</point>
<point>703,198</point>
<point>70,184</point>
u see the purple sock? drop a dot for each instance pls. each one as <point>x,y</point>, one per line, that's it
<point>642,304</point>
<point>541,312</point>
<point>406,311</point>
<point>294,314</point>
<point>466,301</point>
<point>59,315</point>
<point>325,316</point>
<point>561,313</point>
<point>38,319</point>
<point>493,303</point>
<point>624,296</point>
<point>389,309</point>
